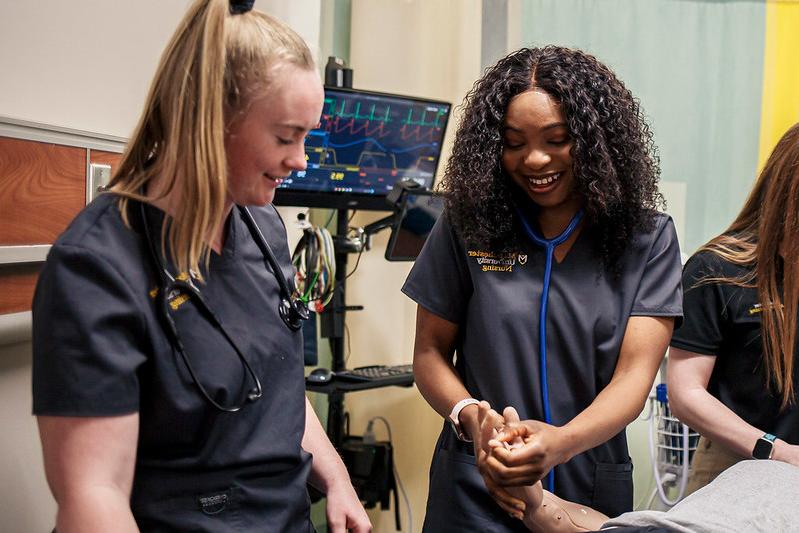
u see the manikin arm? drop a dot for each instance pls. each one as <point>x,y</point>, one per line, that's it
<point>558,515</point>
<point>544,511</point>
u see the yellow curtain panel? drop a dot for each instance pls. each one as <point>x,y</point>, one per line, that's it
<point>780,104</point>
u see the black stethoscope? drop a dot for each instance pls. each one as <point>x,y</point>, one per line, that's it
<point>549,246</point>
<point>292,309</point>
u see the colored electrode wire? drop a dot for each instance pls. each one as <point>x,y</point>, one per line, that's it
<point>314,261</point>
<point>549,245</point>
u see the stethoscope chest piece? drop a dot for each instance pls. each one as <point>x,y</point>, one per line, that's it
<point>293,313</point>
<point>292,310</point>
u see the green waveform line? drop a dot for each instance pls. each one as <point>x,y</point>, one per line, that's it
<point>422,122</point>
<point>334,110</point>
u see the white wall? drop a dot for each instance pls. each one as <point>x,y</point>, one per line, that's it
<point>83,64</point>
<point>87,64</point>
<point>25,501</point>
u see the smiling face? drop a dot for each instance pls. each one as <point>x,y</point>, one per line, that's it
<point>265,142</point>
<point>536,152</point>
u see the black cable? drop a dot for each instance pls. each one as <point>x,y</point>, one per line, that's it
<point>348,337</point>
<point>330,218</point>
<point>357,262</point>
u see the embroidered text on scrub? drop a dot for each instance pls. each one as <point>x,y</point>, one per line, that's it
<point>549,246</point>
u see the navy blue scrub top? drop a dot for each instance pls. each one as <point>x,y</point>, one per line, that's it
<point>495,298</point>
<point>99,349</point>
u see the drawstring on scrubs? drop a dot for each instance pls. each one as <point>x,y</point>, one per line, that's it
<point>549,245</point>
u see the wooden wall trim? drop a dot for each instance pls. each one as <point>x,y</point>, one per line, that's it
<point>24,254</point>
<point>43,179</point>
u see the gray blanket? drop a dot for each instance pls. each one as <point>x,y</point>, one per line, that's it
<point>750,496</point>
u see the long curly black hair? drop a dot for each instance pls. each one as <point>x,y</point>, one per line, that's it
<point>616,166</point>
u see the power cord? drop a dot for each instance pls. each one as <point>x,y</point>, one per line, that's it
<point>370,438</point>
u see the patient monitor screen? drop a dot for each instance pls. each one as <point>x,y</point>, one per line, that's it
<point>366,141</point>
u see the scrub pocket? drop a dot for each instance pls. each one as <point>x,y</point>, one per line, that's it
<point>207,511</point>
<point>613,488</point>
<point>458,500</point>
<point>239,501</point>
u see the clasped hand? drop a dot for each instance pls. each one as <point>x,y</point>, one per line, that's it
<point>511,452</point>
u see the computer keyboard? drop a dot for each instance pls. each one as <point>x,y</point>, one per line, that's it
<point>375,373</point>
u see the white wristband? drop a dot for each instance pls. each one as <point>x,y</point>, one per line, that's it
<point>455,422</point>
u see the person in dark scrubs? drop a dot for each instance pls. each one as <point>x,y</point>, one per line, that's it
<point>732,373</point>
<point>550,284</point>
<point>167,367</point>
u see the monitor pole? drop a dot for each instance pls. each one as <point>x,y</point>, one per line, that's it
<point>337,75</point>
<point>335,315</point>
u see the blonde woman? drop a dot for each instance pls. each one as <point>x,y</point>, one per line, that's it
<point>168,376</point>
<point>732,371</point>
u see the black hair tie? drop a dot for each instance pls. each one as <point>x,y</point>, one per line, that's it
<point>237,7</point>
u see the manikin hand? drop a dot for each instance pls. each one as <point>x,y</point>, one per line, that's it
<point>544,511</point>
<point>539,448</point>
<point>490,424</point>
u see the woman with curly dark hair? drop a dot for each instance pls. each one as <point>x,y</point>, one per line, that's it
<point>551,284</point>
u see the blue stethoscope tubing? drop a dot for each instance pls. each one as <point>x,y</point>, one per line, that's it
<point>549,246</point>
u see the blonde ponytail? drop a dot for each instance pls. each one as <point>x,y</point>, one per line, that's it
<point>214,62</point>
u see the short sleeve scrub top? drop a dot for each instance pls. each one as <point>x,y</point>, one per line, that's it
<point>100,349</point>
<point>495,300</point>
<point>723,320</point>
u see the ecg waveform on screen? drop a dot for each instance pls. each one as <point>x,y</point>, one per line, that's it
<point>376,135</point>
<point>365,144</point>
<point>383,113</point>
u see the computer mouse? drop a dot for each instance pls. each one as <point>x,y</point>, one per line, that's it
<point>320,375</point>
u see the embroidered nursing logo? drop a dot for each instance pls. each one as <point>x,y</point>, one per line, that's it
<point>494,262</point>
<point>758,308</point>
<point>176,297</point>
<point>522,259</point>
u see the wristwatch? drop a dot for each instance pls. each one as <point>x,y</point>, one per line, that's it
<point>453,418</point>
<point>764,447</point>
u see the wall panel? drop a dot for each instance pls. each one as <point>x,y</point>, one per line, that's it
<point>16,287</point>
<point>42,188</point>
<point>106,158</point>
